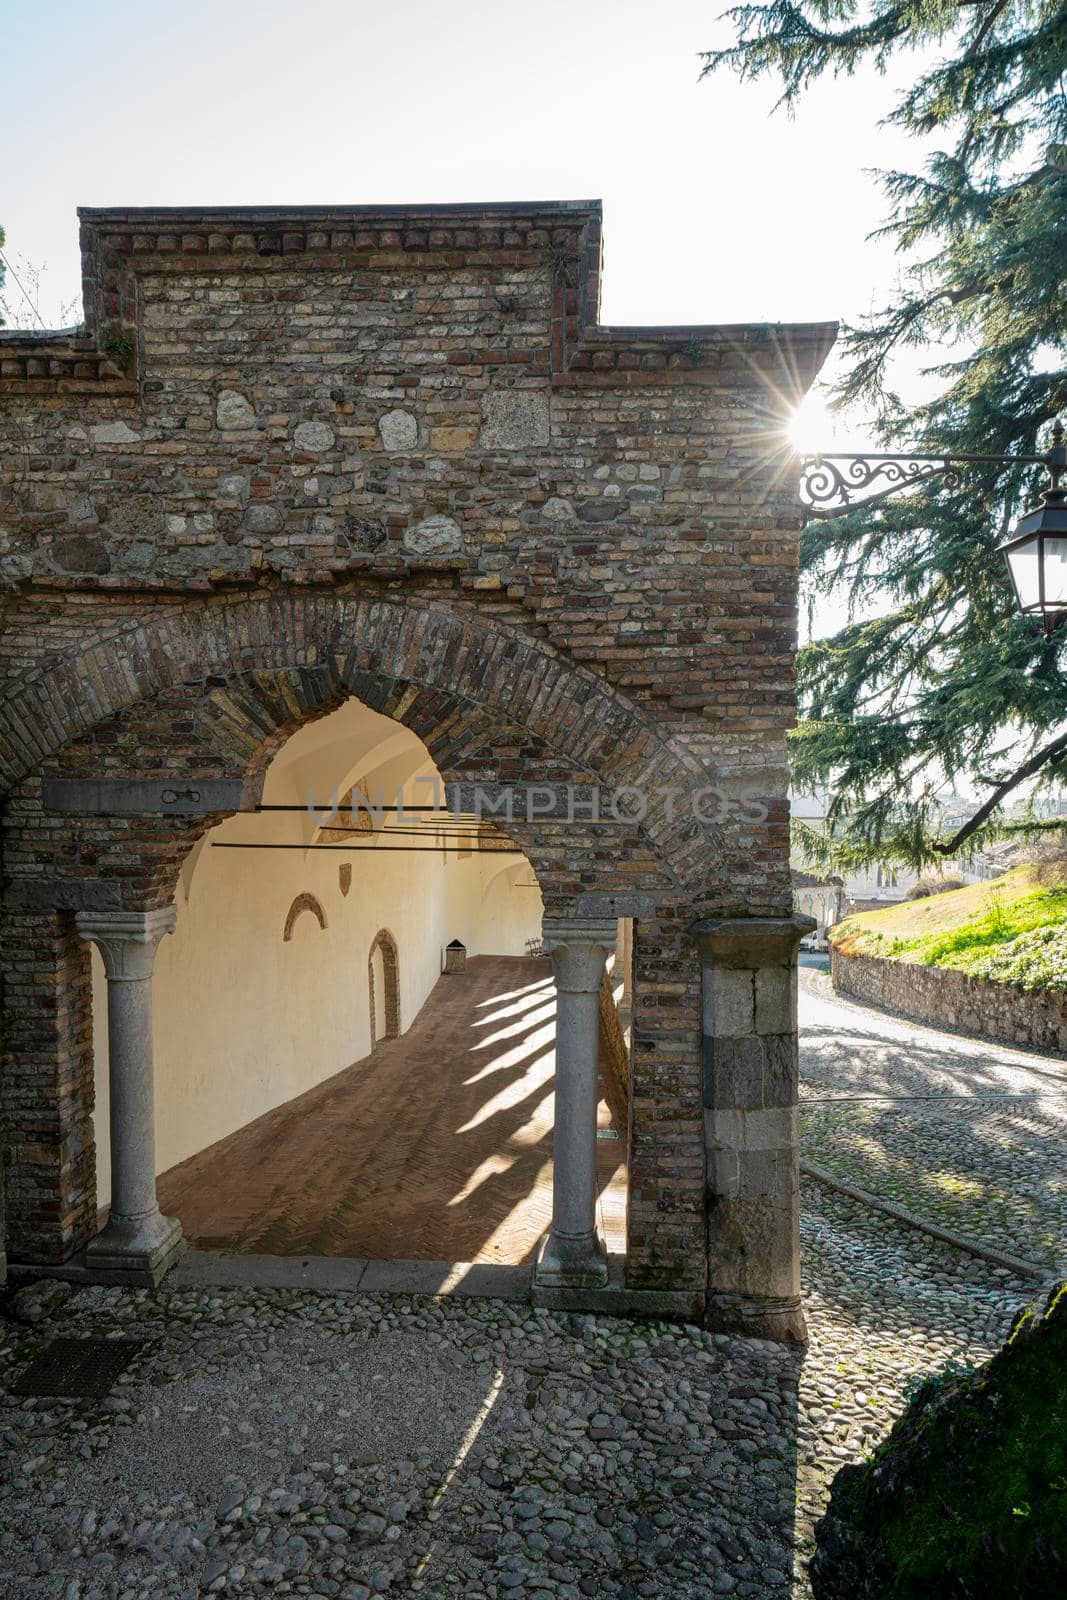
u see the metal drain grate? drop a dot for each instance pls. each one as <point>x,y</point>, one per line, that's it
<point>80,1369</point>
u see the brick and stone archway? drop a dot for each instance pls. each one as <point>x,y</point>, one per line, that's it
<point>261,665</point>
<point>383,982</point>
<point>408,464</point>
<point>219,731</point>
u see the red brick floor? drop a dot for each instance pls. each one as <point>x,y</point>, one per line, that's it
<point>437,1147</point>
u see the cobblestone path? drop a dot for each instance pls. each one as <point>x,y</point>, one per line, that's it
<point>348,1445</point>
<point>963,1133</point>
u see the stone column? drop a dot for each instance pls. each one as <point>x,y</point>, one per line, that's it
<point>138,1244</point>
<point>574,1256</point>
<point>751,1124</point>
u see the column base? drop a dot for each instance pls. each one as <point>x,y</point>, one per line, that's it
<point>138,1254</point>
<point>564,1263</point>
<point>756,1317</point>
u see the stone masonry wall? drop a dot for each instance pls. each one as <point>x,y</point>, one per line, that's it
<point>299,455</point>
<point>421,395</point>
<point>950,999</point>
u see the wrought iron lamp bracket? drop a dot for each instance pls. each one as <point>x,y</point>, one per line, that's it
<point>832,485</point>
<point>1036,552</point>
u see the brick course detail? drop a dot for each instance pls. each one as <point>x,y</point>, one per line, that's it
<point>298,455</point>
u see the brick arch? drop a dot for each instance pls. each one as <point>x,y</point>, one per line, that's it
<point>385,942</point>
<point>302,903</point>
<point>444,675</point>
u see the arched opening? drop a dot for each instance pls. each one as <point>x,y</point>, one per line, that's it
<point>384,988</point>
<point>410,1116</point>
<point>220,691</point>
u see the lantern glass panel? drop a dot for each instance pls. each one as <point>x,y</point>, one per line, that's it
<point>1055,561</point>
<point>1024,562</point>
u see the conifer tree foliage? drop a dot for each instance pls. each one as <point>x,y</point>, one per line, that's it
<point>950,682</point>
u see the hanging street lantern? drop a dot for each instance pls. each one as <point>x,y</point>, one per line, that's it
<point>1036,552</point>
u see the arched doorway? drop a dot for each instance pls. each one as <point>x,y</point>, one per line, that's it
<point>383,983</point>
<point>226,690</point>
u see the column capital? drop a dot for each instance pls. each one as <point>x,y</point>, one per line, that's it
<point>751,941</point>
<point>126,940</point>
<point>579,947</point>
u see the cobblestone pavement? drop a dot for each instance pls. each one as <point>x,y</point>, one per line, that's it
<point>348,1445</point>
<point>961,1132</point>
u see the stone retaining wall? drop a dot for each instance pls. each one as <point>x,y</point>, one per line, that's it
<point>950,999</point>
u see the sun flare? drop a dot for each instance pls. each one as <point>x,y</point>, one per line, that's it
<point>812,426</point>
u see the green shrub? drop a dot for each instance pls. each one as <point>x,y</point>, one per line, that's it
<point>1035,961</point>
<point>967,1497</point>
<point>1022,943</point>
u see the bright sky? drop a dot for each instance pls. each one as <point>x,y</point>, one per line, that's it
<point>714,210</point>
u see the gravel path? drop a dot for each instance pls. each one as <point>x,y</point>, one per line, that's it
<point>349,1445</point>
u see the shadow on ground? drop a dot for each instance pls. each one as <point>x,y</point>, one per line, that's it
<point>436,1147</point>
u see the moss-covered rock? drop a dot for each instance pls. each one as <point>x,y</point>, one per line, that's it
<point>967,1498</point>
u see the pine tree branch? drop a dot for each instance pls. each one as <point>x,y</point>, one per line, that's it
<point>1051,755</point>
<point>897,704</point>
<point>976,43</point>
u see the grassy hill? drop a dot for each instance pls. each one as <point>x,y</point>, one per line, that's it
<point>1012,930</point>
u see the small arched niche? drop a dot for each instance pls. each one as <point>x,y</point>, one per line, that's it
<point>302,903</point>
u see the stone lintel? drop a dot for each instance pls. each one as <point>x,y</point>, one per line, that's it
<point>124,797</point>
<point>618,905</point>
<point>751,941</point>
<point>580,930</point>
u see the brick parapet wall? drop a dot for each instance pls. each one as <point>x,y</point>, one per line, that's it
<point>948,999</point>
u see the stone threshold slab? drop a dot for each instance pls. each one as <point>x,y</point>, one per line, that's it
<point>210,1269</point>
<point>456,1278</point>
<point>471,1278</point>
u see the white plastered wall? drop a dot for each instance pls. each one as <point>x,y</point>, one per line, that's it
<point>245,1020</point>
